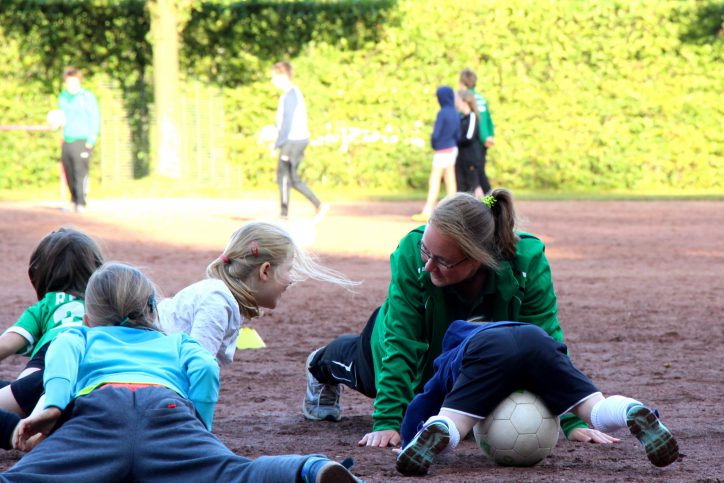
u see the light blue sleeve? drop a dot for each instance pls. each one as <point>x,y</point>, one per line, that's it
<point>61,367</point>
<point>202,371</point>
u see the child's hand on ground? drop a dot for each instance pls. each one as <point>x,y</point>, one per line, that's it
<point>588,435</point>
<point>381,439</point>
<point>35,428</point>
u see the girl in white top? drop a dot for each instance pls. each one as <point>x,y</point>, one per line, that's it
<point>258,264</point>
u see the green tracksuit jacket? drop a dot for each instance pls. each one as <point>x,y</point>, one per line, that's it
<point>410,325</point>
<point>487,129</point>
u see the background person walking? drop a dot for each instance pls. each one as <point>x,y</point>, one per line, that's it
<point>444,141</point>
<point>292,139</point>
<point>468,81</point>
<point>80,132</point>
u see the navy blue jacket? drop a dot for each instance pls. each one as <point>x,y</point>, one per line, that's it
<point>447,368</point>
<point>446,132</point>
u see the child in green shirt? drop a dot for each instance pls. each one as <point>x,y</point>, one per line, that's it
<point>59,269</point>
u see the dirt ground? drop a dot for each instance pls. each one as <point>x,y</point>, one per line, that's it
<point>639,289</point>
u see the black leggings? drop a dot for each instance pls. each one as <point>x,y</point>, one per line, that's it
<point>76,162</point>
<point>290,157</point>
<point>348,360</point>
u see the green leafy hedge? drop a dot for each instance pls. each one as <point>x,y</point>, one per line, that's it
<point>607,95</point>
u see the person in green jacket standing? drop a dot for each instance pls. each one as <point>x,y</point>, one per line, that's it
<point>80,132</point>
<point>467,262</point>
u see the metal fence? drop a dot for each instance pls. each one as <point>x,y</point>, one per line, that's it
<point>203,155</point>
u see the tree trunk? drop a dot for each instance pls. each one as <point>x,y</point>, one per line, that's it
<point>165,41</point>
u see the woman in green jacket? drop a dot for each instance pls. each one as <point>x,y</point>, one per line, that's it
<point>467,262</point>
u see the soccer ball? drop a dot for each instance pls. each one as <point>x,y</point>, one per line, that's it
<point>520,431</point>
<point>55,119</point>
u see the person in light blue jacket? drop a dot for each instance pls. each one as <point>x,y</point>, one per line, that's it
<point>80,133</point>
<point>136,404</point>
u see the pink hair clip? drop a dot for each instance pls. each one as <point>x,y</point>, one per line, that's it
<point>254,248</point>
<point>224,259</point>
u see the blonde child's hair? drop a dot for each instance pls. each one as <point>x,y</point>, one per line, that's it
<point>469,98</point>
<point>258,242</point>
<point>119,294</point>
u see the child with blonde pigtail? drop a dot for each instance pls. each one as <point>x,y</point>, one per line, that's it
<point>258,264</point>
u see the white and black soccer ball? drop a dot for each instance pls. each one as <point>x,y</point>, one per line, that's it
<point>55,119</point>
<point>520,431</point>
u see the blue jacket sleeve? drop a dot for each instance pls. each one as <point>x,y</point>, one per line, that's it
<point>437,129</point>
<point>203,374</point>
<point>61,367</point>
<point>424,405</point>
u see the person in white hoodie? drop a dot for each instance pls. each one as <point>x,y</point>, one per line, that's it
<point>258,264</point>
<point>292,139</point>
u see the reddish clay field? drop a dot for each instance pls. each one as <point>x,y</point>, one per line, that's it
<point>640,299</point>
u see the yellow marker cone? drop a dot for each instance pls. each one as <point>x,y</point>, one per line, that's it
<point>249,339</point>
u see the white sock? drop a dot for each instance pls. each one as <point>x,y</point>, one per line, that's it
<point>452,429</point>
<point>610,414</point>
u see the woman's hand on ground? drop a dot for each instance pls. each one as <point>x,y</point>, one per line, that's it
<point>381,439</point>
<point>588,435</point>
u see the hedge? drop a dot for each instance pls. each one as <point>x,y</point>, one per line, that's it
<point>606,95</point>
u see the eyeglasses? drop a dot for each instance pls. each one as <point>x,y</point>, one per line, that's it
<point>427,256</point>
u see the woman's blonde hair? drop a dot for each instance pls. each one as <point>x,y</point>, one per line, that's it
<point>256,243</point>
<point>119,294</point>
<point>483,233</point>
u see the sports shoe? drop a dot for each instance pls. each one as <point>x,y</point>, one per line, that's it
<point>423,217</point>
<point>429,442</point>
<point>321,401</point>
<point>660,445</point>
<point>318,469</point>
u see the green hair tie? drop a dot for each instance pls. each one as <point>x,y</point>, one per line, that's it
<point>124,321</point>
<point>489,201</point>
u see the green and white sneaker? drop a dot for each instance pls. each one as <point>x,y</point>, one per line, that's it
<point>321,401</point>
<point>429,442</point>
<point>660,445</point>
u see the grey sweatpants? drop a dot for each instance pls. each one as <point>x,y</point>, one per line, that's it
<point>149,435</point>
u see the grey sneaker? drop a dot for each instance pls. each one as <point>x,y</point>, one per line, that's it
<point>321,402</point>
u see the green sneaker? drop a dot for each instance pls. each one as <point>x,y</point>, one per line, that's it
<point>429,442</point>
<point>660,445</point>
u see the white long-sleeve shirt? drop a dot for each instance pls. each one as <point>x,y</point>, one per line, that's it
<point>208,312</point>
<point>292,117</point>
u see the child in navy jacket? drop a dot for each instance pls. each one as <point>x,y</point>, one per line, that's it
<point>444,141</point>
<point>481,364</point>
